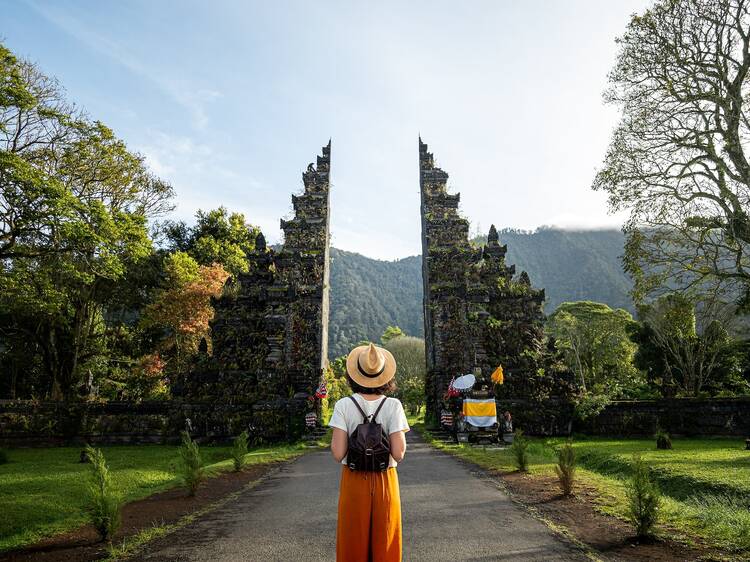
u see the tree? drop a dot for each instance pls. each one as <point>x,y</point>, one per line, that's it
<point>74,210</point>
<point>183,306</point>
<point>411,370</point>
<point>685,352</point>
<point>594,339</point>
<point>390,333</point>
<point>217,237</point>
<point>677,160</point>
<point>34,119</point>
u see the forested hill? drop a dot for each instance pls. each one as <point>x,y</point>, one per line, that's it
<point>572,265</point>
<point>367,295</point>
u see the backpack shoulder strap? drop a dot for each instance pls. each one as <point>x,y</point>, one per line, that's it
<point>375,415</point>
<point>361,411</point>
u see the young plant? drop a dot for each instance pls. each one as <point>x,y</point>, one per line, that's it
<point>191,465</point>
<point>104,504</point>
<point>566,467</point>
<point>663,441</point>
<point>239,450</point>
<point>644,499</point>
<point>519,449</point>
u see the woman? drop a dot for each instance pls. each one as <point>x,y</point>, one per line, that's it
<point>369,523</point>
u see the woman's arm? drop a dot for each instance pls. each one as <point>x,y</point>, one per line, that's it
<point>339,444</point>
<point>398,445</point>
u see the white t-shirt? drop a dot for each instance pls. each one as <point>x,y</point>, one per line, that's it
<point>347,417</point>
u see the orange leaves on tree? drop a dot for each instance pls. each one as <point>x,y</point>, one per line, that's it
<point>184,306</point>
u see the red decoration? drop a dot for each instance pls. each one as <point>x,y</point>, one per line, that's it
<point>322,391</point>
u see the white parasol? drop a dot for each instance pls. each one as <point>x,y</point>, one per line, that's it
<point>464,383</point>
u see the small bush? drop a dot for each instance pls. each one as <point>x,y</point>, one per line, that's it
<point>239,450</point>
<point>566,467</point>
<point>644,499</point>
<point>663,441</point>
<point>191,466</point>
<point>104,504</point>
<point>3,456</point>
<point>519,448</point>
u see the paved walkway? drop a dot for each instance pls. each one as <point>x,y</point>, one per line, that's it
<point>448,514</point>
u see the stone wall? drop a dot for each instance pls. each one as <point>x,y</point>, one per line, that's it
<point>25,423</point>
<point>678,416</point>
<point>635,418</point>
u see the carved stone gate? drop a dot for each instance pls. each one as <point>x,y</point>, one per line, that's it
<point>477,315</point>
<point>270,331</point>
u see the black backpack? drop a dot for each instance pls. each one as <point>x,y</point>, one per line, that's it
<point>369,446</point>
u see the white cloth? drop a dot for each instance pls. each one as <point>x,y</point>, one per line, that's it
<point>347,417</point>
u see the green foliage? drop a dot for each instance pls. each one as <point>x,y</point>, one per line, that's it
<point>589,404</point>
<point>218,236</point>
<point>390,333</point>
<point>676,160</point>
<point>3,456</point>
<point>687,354</point>
<point>566,467</point>
<point>409,354</point>
<point>519,449</point>
<point>644,498</point>
<point>74,208</point>
<point>336,383</point>
<point>104,503</point>
<point>191,467</point>
<point>239,450</point>
<point>596,345</point>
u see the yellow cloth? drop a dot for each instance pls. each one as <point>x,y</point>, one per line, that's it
<point>497,376</point>
<point>473,407</point>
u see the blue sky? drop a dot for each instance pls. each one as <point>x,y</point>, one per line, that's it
<point>229,101</point>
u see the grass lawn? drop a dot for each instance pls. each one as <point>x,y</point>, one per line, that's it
<point>705,482</point>
<point>43,491</point>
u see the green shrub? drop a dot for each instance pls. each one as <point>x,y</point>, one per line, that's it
<point>566,467</point>
<point>3,456</point>
<point>104,504</point>
<point>644,498</point>
<point>663,441</point>
<point>239,450</point>
<point>519,448</point>
<point>191,467</point>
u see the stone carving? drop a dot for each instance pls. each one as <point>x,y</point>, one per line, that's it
<point>270,331</point>
<point>477,315</point>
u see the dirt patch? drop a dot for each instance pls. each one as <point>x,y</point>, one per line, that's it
<point>83,544</point>
<point>611,538</point>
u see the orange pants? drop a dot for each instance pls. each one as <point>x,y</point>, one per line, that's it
<point>369,527</point>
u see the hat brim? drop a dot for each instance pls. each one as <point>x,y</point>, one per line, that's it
<point>389,370</point>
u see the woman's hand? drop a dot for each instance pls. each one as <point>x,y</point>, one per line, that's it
<point>398,445</point>
<point>339,444</point>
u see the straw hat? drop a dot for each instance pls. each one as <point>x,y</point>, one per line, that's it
<point>370,366</point>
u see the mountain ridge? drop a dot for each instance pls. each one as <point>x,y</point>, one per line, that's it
<point>367,294</point>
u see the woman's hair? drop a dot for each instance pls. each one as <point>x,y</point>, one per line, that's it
<point>387,388</point>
